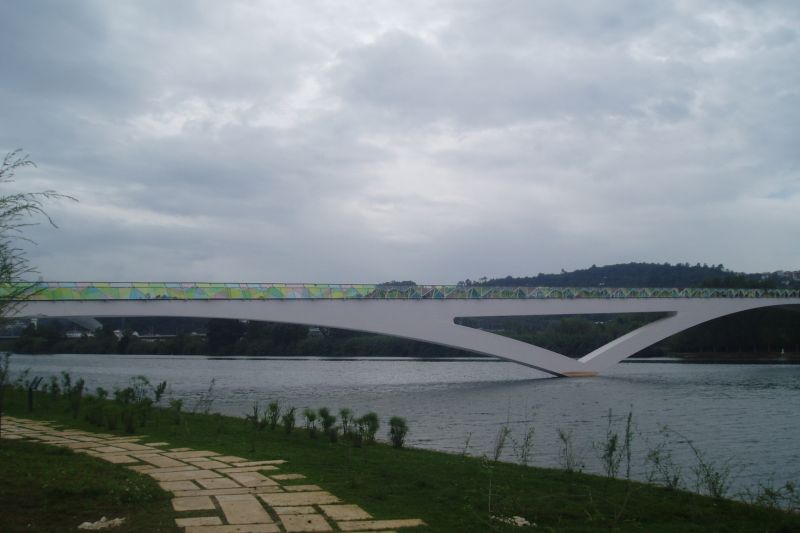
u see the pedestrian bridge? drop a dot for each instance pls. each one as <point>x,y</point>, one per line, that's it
<point>421,312</point>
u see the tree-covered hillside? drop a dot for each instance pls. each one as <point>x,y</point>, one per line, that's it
<point>648,275</point>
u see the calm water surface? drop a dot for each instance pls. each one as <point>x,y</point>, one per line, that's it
<point>745,415</point>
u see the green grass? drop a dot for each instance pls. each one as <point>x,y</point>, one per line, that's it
<point>450,492</point>
<point>45,488</point>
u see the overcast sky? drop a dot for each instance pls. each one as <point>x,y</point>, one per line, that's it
<point>434,141</point>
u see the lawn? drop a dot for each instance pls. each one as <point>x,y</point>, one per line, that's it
<point>451,493</point>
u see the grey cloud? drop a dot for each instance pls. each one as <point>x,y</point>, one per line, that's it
<point>407,77</point>
<point>274,141</point>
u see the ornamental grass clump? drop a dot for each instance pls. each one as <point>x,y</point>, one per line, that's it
<point>328,422</point>
<point>74,396</point>
<point>273,414</point>
<point>398,428</point>
<point>288,419</point>
<point>366,427</point>
<point>255,419</point>
<point>346,416</point>
<point>311,422</point>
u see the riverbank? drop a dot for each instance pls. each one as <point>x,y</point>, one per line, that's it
<point>716,360</point>
<point>449,492</point>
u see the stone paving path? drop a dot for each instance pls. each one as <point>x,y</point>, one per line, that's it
<point>216,493</point>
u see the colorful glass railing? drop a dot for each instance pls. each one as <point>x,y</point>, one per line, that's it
<point>60,290</point>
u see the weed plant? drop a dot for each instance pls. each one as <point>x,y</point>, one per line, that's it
<point>205,401</point>
<point>711,478</point>
<point>784,498</point>
<point>662,468</point>
<point>500,441</point>
<point>524,447</point>
<point>567,456</point>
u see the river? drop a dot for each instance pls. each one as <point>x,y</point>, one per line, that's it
<point>743,417</point>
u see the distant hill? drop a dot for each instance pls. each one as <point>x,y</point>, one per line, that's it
<point>649,275</point>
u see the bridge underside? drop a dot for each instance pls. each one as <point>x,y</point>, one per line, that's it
<point>434,320</point>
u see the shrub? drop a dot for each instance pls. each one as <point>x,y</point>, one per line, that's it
<point>397,431</point>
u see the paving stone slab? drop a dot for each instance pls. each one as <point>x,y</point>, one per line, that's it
<point>219,483</point>
<point>180,449</point>
<point>56,440</point>
<point>193,503</point>
<point>286,477</point>
<point>243,509</point>
<point>243,528</point>
<point>142,468</point>
<point>198,521</point>
<point>301,488</point>
<point>190,454</point>
<point>86,438</point>
<point>252,479</point>
<point>219,492</point>
<point>87,452</point>
<point>345,512</point>
<point>182,476</point>
<point>305,522</point>
<point>119,459</point>
<point>82,445</point>
<point>208,465</point>
<point>135,447</point>
<point>298,509</point>
<point>5,435</point>
<point>184,468</point>
<point>256,463</point>
<point>160,461</point>
<point>230,459</point>
<point>157,443</point>
<point>285,499</point>
<point>232,469</point>
<point>109,449</point>
<point>363,525</point>
<point>173,486</point>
